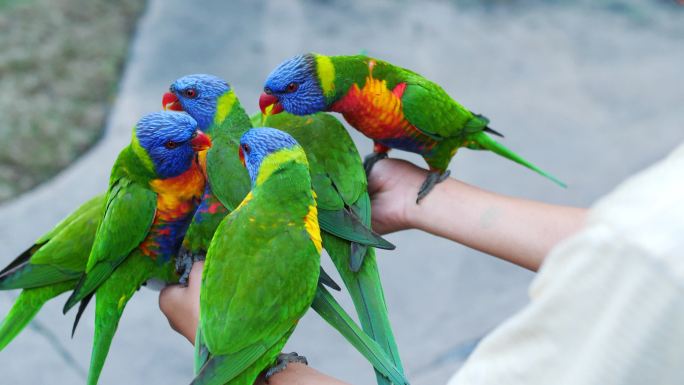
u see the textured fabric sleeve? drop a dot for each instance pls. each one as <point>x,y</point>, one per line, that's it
<point>603,311</point>
<point>607,306</point>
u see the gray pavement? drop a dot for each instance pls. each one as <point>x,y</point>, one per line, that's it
<point>590,93</point>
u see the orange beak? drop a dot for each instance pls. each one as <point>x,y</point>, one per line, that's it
<point>242,157</point>
<point>170,102</point>
<point>266,101</point>
<point>200,141</point>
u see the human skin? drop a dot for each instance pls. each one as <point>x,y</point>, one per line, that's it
<point>517,230</point>
<point>181,307</point>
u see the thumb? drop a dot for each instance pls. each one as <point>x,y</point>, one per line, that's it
<point>181,304</point>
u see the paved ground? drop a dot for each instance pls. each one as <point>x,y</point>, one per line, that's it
<point>591,93</point>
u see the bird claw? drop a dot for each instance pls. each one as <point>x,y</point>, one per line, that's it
<point>184,263</point>
<point>370,160</point>
<point>433,178</point>
<point>281,363</point>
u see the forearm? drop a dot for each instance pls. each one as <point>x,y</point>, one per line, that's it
<point>517,230</point>
<point>300,374</point>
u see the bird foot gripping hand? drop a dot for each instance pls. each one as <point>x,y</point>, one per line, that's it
<point>184,262</point>
<point>282,361</point>
<point>433,178</point>
<point>371,159</point>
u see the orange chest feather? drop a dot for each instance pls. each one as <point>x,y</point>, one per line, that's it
<point>179,195</point>
<point>374,109</point>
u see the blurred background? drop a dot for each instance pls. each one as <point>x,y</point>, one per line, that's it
<point>591,91</point>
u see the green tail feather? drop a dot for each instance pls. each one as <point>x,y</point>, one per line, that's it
<point>345,225</point>
<point>110,300</point>
<point>241,367</point>
<point>488,143</point>
<point>27,305</point>
<point>325,305</point>
<point>102,340</point>
<point>366,292</point>
<point>201,352</point>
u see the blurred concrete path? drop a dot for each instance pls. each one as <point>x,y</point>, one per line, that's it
<point>590,94</point>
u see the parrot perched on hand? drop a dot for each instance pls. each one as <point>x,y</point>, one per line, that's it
<point>211,101</point>
<point>155,186</point>
<point>50,267</point>
<point>394,106</point>
<point>337,177</point>
<point>262,267</point>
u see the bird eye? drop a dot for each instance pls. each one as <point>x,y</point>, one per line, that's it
<point>245,148</point>
<point>190,93</point>
<point>170,145</point>
<point>292,87</point>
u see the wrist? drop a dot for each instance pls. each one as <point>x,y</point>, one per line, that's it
<point>437,209</point>
<point>410,215</point>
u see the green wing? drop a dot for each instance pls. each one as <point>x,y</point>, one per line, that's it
<point>93,203</point>
<point>26,306</point>
<point>201,352</point>
<point>240,306</point>
<point>344,223</point>
<point>128,214</point>
<point>58,256</point>
<point>336,169</point>
<point>219,370</point>
<point>432,111</point>
<point>227,176</point>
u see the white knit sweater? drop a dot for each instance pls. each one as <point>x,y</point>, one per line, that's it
<point>607,306</point>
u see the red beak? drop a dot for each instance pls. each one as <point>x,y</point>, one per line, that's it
<point>200,141</point>
<point>242,157</point>
<point>266,101</point>
<point>170,102</point>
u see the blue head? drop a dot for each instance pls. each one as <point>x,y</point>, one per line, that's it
<point>171,140</point>
<point>197,95</point>
<point>257,143</point>
<point>294,87</point>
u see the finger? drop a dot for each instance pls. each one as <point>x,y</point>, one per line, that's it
<point>195,279</point>
<point>375,177</point>
<point>170,299</point>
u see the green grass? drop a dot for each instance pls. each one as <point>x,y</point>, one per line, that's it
<point>60,62</point>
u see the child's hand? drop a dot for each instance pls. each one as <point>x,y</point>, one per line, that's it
<point>393,185</point>
<point>181,304</point>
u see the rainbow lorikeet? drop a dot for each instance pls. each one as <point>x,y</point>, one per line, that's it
<point>262,267</point>
<point>154,189</point>
<point>214,105</point>
<point>338,180</point>
<point>394,106</point>
<point>50,267</point>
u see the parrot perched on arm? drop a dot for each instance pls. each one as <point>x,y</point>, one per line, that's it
<point>212,102</point>
<point>50,267</point>
<point>262,267</point>
<point>154,189</point>
<point>337,177</point>
<point>394,106</point>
